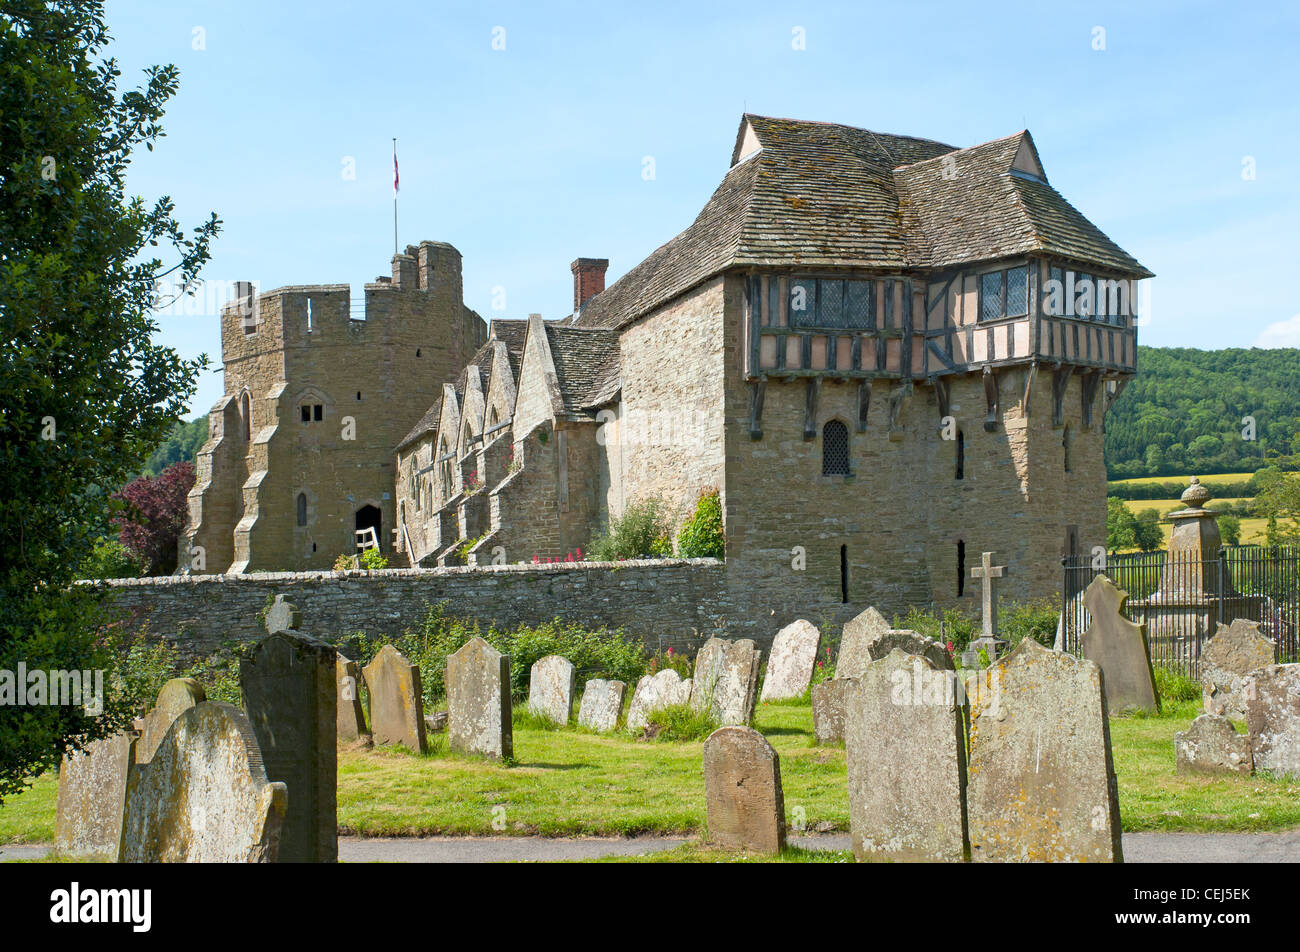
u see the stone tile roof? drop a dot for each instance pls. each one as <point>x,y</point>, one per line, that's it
<point>428,424</point>
<point>825,195</point>
<point>586,365</point>
<point>512,334</point>
<point>969,206</point>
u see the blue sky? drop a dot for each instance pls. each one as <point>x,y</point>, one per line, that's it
<point>530,156</point>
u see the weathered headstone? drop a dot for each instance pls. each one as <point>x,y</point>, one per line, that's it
<point>478,701</point>
<point>726,680</point>
<point>742,788</point>
<point>909,642</point>
<point>396,700</point>
<point>1119,648</point>
<point>92,797</point>
<point>904,743</point>
<point>654,691</point>
<point>351,713</point>
<point>282,616</point>
<point>602,701</point>
<point>790,662</point>
<point>176,697</point>
<point>290,690</point>
<point>829,702</point>
<point>854,655</point>
<point>1041,784</point>
<point>1212,746</point>
<point>551,682</point>
<point>1273,715</point>
<point>1235,652</point>
<point>204,796</point>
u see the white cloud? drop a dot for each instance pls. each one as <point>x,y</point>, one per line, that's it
<point>1281,334</point>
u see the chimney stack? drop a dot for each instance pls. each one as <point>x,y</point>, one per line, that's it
<point>588,279</point>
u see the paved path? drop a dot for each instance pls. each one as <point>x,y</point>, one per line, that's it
<point>1138,848</point>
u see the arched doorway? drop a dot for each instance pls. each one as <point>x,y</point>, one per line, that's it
<point>370,517</point>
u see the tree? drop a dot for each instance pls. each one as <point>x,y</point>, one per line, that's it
<point>702,536</point>
<point>1278,501</point>
<point>1120,525</point>
<point>1229,528</point>
<point>87,393</point>
<point>154,512</point>
<point>1147,534</point>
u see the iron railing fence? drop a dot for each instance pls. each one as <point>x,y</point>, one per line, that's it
<point>1183,599</point>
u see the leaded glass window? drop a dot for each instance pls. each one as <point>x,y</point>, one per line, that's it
<point>835,449</point>
<point>991,296</point>
<point>802,303</point>
<point>1017,292</point>
<point>859,304</point>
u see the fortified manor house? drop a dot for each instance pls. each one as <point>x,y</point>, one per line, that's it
<point>886,353</point>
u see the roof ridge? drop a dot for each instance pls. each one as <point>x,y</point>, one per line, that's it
<point>968,148</point>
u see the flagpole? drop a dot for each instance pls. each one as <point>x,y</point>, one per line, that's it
<point>395,180</point>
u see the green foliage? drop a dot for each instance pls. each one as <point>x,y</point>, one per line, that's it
<point>1147,534</point>
<point>110,559</point>
<point>182,445</point>
<point>346,562</point>
<point>1034,619</point>
<point>594,653</point>
<point>643,532</point>
<point>824,669</point>
<point>1175,686</point>
<point>1184,412</point>
<point>679,723</point>
<point>87,393</point>
<point>1279,502</point>
<point>373,560</point>
<point>1121,525</point>
<point>668,658</point>
<point>949,626</point>
<point>701,536</point>
<point>1229,528</point>
<point>1224,487</point>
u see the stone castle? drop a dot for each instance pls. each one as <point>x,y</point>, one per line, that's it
<point>887,354</point>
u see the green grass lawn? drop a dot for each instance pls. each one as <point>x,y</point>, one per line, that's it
<point>567,783</point>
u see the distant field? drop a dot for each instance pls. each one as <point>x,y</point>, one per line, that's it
<point>1204,477</point>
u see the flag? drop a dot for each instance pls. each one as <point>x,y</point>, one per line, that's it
<point>396,177</point>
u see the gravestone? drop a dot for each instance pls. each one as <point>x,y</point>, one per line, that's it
<point>829,702</point>
<point>791,660</point>
<point>176,697</point>
<point>1273,715</point>
<point>1212,746</point>
<point>854,655</point>
<point>1119,648</point>
<point>92,797</point>
<point>988,641</point>
<point>551,682</point>
<point>1235,652</point>
<point>290,689</point>
<point>478,701</point>
<point>726,680</point>
<point>282,616</point>
<point>904,744</point>
<point>396,700</point>
<point>654,692</point>
<point>601,703</point>
<point>204,796</point>
<point>1041,781</point>
<point>909,642</point>
<point>351,713</point>
<point>742,789</point>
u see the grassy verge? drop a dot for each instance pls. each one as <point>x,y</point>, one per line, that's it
<point>568,782</point>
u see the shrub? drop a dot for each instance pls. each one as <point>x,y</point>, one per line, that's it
<point>644,531</point>
<point>1033,619</point>
<point>679,723</point>
<point>153,516</point>
<point>701,536</point>
<point>373,560</point>
<point>668,658</point>
<point>824,670</point>
<point>1176,686</point>
<point>345,562</point>
<point>109,558</point>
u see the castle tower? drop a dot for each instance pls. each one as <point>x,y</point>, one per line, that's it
<point>299,455</point>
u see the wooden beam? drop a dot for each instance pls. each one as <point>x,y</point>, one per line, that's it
<point>1088,391</point>
<point>990,399</point>
<point>941,390</point>
<point>1030,374</point>
<point>1060,380</point>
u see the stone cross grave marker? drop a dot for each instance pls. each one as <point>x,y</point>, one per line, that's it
<point>790,662</point>
<point>352,715</point>
<point>1042,784</point>
<point>904,744</point>
<point>551,682</point>
<point>204,796</point>
<point>92,797</point>
<point>396,700</point>
<point>478,701</point>
<point>742,789</point>
<point>176,697</point>
<point>601,703</point>
<point>988,574</point>
<point>1119,648</point>
<point>288,680</point>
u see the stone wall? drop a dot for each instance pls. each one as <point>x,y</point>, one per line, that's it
<point>663,602</point>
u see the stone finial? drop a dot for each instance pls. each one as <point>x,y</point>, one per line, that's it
<point>1195,496</point>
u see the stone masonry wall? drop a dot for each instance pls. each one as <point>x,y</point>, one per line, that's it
<point>665,602</point>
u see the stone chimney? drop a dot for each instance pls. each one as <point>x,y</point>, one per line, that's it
<point>588,279</point>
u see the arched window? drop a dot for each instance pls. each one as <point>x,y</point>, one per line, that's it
<point>835,449</point>
<point>302,509</point>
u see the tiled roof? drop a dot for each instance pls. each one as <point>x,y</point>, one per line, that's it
<point>586,364</point>
<point>512,334</point>
<point>825,195</point>
<point>428,424</point>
